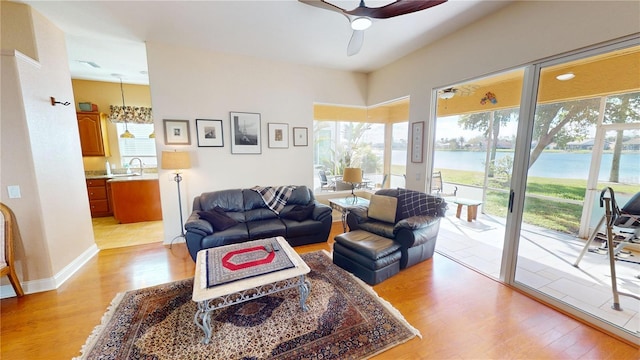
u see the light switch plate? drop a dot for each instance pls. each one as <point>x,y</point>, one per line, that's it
<point>14,191</point>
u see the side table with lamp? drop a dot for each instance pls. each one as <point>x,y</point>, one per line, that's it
<point>352,176</point>
<point>178,161</point>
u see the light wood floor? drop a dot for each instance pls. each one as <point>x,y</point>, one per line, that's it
<point>460,313</point>
<point>110,234</point>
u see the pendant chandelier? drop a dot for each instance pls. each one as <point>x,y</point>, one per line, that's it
<point>126,134</point>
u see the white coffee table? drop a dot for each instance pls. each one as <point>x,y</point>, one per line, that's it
<point>239,291</point>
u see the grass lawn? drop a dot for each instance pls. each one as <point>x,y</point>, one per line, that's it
<point>550,212</point>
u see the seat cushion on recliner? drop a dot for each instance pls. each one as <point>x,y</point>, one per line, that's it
<point>382,208</point>
<point>381,228</point>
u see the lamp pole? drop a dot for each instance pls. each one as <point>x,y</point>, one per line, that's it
<point>178,179</point>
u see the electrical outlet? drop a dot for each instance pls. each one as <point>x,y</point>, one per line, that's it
<point>417,176</point>
<point>14,191</point>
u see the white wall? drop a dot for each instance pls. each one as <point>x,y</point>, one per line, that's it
<point>518,34</point>
<point>40,153</point>
<point>189,84</point>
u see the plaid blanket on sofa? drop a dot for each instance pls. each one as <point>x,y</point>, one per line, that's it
<point>275,197</point>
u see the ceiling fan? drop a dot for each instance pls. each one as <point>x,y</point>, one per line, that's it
<point>447,93</point>
<point>462,90</point>
<point>361,17</point>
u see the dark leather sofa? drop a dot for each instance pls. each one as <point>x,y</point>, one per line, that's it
<point>255,220</point>
<point>416,234</point>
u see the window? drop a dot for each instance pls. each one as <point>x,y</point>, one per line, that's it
<point>341,144</point>
<point>141,146</point>
<point>374,139</point>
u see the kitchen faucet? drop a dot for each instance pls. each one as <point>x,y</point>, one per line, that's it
<point>140,161</point>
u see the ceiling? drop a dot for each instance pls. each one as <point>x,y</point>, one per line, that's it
<point>112,34</point>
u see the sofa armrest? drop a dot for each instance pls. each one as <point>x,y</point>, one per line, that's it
<point>197,225</point>
<point>416,230</point>
<point>415,222</point>
<point>320,211</point>
<point>357,215</point>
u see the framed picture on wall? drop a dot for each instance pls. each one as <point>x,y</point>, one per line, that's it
<point>209,133</point>
<point>300,136</point>
<point>245,133</point>
<point>417,133</point>
<point>176,132</point>
<point>278,135</point>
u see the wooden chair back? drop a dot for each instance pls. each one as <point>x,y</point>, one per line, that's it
<point>9,233</point>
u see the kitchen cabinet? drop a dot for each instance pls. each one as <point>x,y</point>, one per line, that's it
<point>93,134</point>
<point>136,200</point>
<point>99,197</point>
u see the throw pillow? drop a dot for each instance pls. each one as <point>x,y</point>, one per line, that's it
<point>218,219</point>
<point>383,208</point>
<point>300,212</point>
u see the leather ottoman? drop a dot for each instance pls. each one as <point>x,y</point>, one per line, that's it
<point>368,256</point>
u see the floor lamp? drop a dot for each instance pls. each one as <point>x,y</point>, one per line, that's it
<point>178,161</point>
<point>353,176</point>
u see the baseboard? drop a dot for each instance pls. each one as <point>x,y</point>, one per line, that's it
<point>52,283</point>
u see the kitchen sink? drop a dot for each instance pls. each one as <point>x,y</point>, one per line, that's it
<point>125,175</point>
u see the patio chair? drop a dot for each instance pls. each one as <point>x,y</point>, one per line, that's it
<point>8,234</point>
<point>437,186</point>
<point>325,184</point>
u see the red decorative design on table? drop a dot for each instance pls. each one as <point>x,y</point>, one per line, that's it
<point>231,266</point>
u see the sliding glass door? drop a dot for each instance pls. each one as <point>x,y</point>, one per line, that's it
<point>583,147</point>
<point>475,139</point>
<point>534,148</point>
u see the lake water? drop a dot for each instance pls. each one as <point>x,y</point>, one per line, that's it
<point>550,164</point>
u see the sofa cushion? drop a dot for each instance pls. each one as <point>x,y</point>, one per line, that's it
<point>300,196</point>
<point>299,212</point>
<point>229,200</point>
<point>415,203</point>
<point>260,229</point>
<point>383,208</point>
<point>218,219</point>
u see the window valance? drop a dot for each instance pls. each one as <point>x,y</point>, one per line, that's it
<point>131,114</point>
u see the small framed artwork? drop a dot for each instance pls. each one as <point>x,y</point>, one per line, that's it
<point>209,133</point>
<point>417,132</point>
<point>300,136</point>
<point>176,132</point>
<point>278,135</point>
<point>245,133</point>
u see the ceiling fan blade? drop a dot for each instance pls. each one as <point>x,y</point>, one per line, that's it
<point>397,8</point>
<point>323,5</point>
<point>355,44</point>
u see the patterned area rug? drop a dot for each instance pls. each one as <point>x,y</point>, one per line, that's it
<point>346,320</point>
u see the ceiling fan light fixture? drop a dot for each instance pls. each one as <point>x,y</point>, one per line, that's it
<point>447,94</point>
<point>566,76</point>
<point>361,23</point>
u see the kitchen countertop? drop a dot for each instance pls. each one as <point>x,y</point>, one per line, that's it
<point>123,177</point>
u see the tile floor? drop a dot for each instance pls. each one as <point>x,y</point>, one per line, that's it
<point>546,263</point>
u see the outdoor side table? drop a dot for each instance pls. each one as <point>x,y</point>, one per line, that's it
<point>472,207</point>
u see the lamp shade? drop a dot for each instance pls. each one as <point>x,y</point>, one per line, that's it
<point>175,160</point>
<point>352,175</point>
